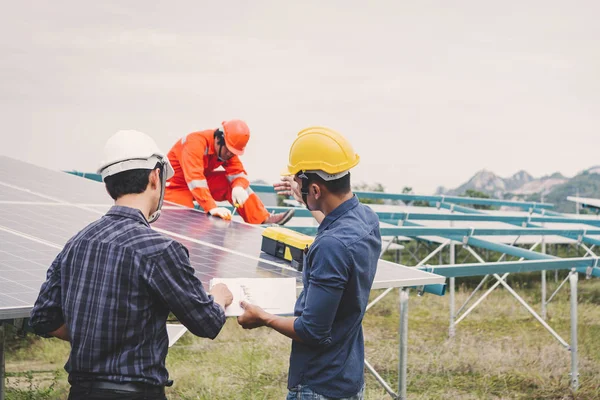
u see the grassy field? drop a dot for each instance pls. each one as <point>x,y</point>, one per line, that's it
<point>499,352</point>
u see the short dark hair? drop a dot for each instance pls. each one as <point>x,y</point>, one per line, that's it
<point>338,186</point>
<point>134,181</point>
<point>219,137</point>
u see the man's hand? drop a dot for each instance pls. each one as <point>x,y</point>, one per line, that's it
<point>239,195</point>
<point>222,295</point>
<point>221,212</point>
<point>61,333</point>
<point>253,316</point>
<point>288,187</point>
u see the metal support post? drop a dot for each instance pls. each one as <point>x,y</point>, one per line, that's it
<point>544,304</point>
<point>2,368</point>
<point>574,360</point>
<point>452,327</point>
<point>403,359</point>
<point>544,295</point>
<point>402,367</point>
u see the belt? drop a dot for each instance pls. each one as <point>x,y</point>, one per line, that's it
<point>138,387</point>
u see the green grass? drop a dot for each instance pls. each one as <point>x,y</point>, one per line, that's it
<point>499,352</point>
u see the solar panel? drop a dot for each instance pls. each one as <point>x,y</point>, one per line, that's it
<point>41,209</point>
<point>593,203</point>
<point>506,239</point>
<point>184,223</point>
<point>23,266</point>
<point>219,263</point>
<point>9,195</point>
<point>41,184</point>
<point>53,223</point>
<point>241,237</point>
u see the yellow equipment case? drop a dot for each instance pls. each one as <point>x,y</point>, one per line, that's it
<point>286,244</point>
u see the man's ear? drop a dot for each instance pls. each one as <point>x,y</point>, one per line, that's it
<point>154,179</point>
<point>316,190</point>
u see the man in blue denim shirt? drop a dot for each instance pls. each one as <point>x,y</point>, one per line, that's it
<point>327,359</point>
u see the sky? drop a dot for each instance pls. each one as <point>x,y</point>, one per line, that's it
<point>428,92</point>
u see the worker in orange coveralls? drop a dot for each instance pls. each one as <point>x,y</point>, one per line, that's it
<point>194,159</point>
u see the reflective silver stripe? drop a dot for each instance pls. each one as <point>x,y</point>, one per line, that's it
<point>183,139</point>
<point>197,183</point>
<point>231,178</point>
<point>206,151</point>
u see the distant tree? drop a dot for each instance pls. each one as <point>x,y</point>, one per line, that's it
<point>416,203</point>
<point>280,200</point>
<point>476,193</point>
<point>479,195</point>
<point>365,187</point>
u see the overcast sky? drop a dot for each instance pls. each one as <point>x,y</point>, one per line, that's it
<point>428,92</point>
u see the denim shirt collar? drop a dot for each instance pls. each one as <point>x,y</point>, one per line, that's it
<point>338,212</point>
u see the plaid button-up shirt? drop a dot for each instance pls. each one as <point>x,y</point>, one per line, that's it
<point>113,286</point>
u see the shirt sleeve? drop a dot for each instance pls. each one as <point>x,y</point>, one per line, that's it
<point>329,274</point>
<point>235,173</point>
<point>173,281</point>
<point>192,164</point>
<point>47,314</point>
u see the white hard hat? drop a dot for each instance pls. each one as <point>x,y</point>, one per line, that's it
<point>129,149</point>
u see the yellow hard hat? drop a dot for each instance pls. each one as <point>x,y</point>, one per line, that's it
<point>321,149</point>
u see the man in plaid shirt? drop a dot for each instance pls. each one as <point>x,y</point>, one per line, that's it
<point>111,288</point>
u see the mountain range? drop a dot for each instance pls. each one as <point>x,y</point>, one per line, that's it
<point>552,188</point>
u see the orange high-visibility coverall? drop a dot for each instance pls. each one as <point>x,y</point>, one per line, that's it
<point>194,160</point>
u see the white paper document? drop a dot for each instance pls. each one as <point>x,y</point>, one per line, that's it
<point>175,331</point>
<point>274,295</point>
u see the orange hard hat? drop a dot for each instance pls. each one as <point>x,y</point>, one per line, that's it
<point>236,134</point>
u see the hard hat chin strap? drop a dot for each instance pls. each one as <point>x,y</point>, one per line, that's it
<point>304,189</point>
<point>163,184</point>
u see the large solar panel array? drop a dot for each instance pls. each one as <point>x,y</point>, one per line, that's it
<point>506,239</point>
<point>40,210</point>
